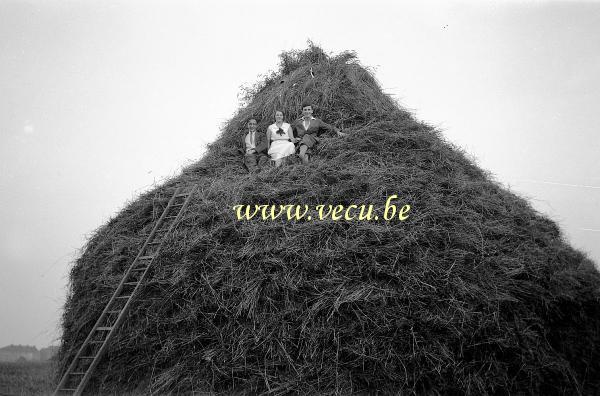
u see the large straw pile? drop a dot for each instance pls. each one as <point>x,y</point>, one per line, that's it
<point>475,293</point>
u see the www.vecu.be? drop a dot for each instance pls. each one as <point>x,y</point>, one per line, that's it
<point>323,212</point>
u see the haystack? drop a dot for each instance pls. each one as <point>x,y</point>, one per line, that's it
<point>474,293</point>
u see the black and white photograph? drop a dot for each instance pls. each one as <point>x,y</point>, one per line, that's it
<point>299,198</point>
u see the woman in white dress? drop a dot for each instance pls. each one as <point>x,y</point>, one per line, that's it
<point>280,138</point>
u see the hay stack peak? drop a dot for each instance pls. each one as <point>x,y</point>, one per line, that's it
<point>474,293</point>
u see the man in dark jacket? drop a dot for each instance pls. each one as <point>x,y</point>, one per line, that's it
<point>308,129</point>
<point>253,145</point>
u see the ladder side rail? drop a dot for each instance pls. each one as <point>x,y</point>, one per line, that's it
<point>132,265</point>
<point>109,337</point>
<point>156,253</point>
<point>111,301</point>
<point>143,248</point>
<point>127,306</point>
<point>180,212</point>
<point>173,223</point>
<point>71,367</point>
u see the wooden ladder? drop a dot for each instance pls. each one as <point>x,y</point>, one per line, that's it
<point>90,353</point>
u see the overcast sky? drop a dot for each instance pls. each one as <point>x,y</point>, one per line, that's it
<point>99,100</point>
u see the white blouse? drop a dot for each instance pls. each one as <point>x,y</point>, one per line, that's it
<point>273,128</point>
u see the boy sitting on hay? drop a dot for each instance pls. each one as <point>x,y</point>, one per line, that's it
<point>309,129</point>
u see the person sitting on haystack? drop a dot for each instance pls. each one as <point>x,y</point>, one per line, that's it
<point>254,147</point>
<point>280,139</point>
<point>308,129</point>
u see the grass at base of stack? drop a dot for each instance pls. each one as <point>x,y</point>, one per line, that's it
<point>26,378</point>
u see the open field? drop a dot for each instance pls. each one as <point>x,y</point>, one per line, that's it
<point>33,378</point>
<point>26,378</point>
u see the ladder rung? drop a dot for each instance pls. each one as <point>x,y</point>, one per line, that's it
<point>182,195</point>
<point>78,373</point>
<point>123,297</point>
<point>105,328</point>
<point>67,389</point>
<point>170,217</point>
<point>131,283</point>
<point>146,258</point>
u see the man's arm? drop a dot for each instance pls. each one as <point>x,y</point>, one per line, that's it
<point>262,146</point>
<point>295,130</point>
<point>323,126</point>
<point>290,133</point>
<point>241,145</point>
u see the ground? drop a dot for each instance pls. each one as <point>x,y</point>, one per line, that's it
<point>30,378</point>
<point>26,378</point>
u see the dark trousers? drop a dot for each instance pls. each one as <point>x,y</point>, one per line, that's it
<point>254,162</point>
